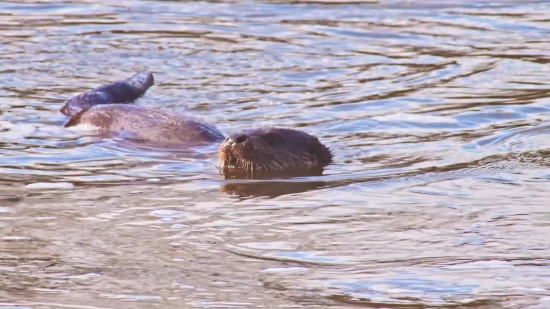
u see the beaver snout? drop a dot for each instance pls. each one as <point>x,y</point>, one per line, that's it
<point>241,138</point>
<point>238,138</point>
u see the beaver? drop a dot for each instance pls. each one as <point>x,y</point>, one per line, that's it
<point>109,108</point>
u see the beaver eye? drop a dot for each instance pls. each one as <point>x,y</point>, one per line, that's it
<point>271,139</point>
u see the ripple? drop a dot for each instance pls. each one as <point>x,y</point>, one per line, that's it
<point>52,185</point>
<point>436,111</point>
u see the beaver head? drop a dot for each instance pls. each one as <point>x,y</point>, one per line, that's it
<point>273,149</point>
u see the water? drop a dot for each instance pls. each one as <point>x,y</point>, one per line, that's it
<point>438,113</point>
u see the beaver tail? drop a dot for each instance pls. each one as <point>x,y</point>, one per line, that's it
<point>119,92</point>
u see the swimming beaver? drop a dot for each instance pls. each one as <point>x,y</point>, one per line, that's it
<point>108,108</point>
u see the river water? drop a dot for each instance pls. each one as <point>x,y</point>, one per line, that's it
<point>438,113</point>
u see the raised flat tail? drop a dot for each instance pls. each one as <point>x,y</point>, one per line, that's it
<point>118,92</point>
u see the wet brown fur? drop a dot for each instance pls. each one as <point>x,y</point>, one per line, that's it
<point>257,150</point>
<point>147,124</point>
<point>273,149</point>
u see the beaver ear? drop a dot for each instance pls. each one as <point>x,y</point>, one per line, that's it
<point>320,151</point>
<point>315,148</point>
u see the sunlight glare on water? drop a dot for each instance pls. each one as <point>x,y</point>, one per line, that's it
<point>438,114</point>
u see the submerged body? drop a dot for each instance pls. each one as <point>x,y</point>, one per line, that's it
<point>147,124</point>
<point>108,108</point>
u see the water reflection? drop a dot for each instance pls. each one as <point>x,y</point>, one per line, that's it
<point>299,182</point>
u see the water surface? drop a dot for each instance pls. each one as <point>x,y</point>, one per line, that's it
<point>438,113</point>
